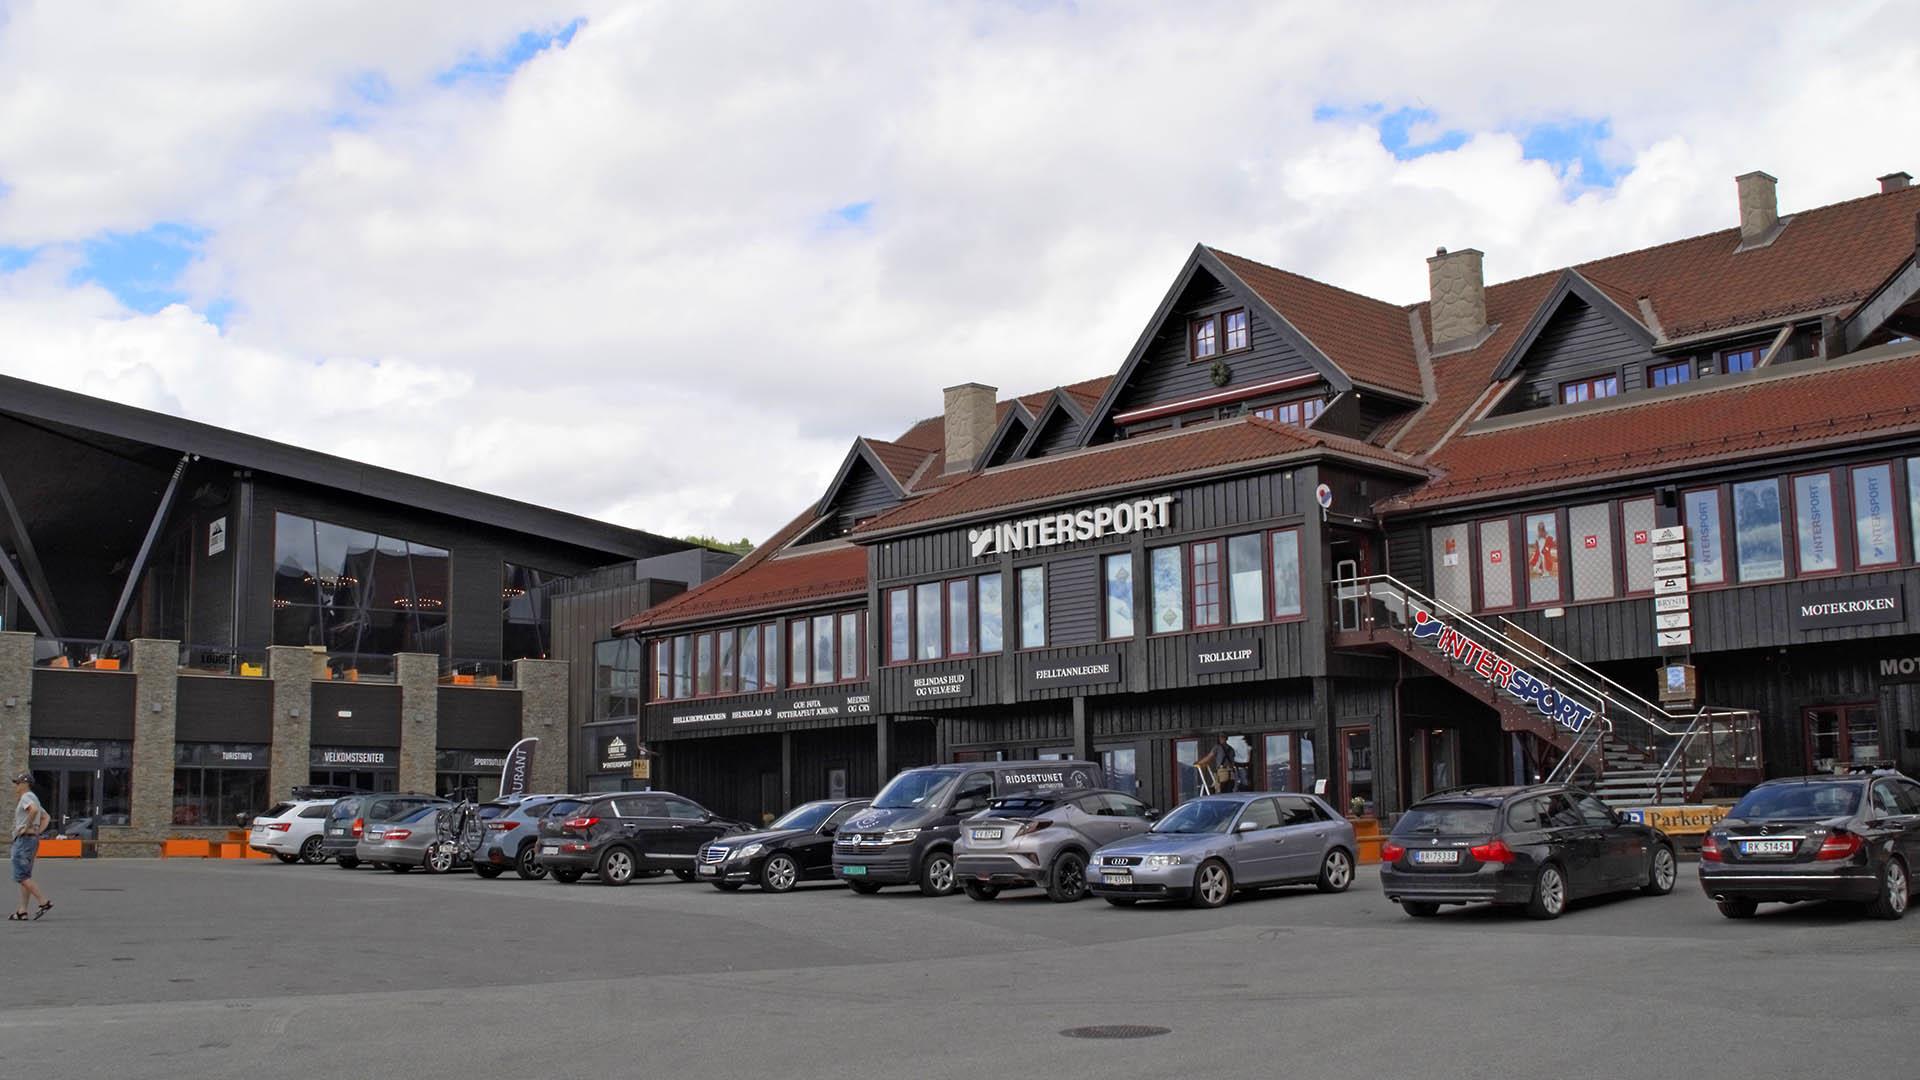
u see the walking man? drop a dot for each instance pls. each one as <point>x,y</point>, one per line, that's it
<point>30,819</point>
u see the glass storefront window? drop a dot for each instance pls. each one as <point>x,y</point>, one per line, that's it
<point>926,621</point>
<point>1122,766</point>
<point>526,630</point>
<point>899,626</point>
<point>959,618</point>
<point>1033,607</point>
<point>1813,523</point>
<point>218,784</point>
<point>1286,573</point>
<point>1246,581</point>
<point>992,632</point>
<point>1169,590</point>
<point>356,592</point>
<point>1759,538</point>
<point>1119,595</point>
<point>1543,559</point>
<point>1590,558</point>
<point>1875,541</point>
<point>616,679</point>
<point>1704,543</point>
<point>1356,761</point>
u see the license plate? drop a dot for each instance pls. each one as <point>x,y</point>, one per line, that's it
<point>986,834</point>
<point>550,849</point>
<point>709,870</point>
<point>1767,847</point>
<point>1117,877</point>
<point>1436,856</point>
<point>854,871</point>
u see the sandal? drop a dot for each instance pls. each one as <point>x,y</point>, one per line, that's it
<point>42,910</point>
<point>18,916</point>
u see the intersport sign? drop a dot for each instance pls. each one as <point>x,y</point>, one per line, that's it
<point>1500,672</point>
<point>1091,523</point>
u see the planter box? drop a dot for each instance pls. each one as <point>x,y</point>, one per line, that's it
<point>60,849</point>
<point>185,849</point>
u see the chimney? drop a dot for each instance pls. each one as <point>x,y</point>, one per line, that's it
<point>1894,181</point>
<point>969,415</point>
<point>1759,206</point>
<point>1459,293</point>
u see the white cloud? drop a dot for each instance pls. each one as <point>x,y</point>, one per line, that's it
<point>609,282</point>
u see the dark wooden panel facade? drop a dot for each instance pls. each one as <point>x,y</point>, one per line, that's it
<point>373,718</point>
<point>862,496</point>
<point>71,704</point>
<point>1060,433</point>
<point>1166,373</point>
<point>1579,342</point>
<point>1073,601</point>
<point>478,718</point>
<point>212,708</point>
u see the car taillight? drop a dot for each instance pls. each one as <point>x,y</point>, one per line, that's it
<point>582,822</point>
<point>1032,826</point>
<point>1497,851</point>
<point>1391,852</point>
<point>359,826</point>
<point>279,826</point>
<point>1839,844</point>
<point>502,826</point>
<point>1710,849</point>
<point>399,834</point>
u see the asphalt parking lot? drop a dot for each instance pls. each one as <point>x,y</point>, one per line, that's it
<point>192,969</point>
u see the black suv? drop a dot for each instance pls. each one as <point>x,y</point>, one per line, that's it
<point>1852,837</point>
<point>1538,847</point>
<point>349,817</point>
<point>622,836</point>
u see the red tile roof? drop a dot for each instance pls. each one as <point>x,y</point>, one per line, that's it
<point>902,461</point>
<point>1460,378</point>
<point>1366,338</point>
<point>1739,416</point>
<point>786,580</point>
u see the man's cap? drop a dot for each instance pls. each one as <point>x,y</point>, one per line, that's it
<point>24,778</point>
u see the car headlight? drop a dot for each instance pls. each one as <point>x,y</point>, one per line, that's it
<point>747,852</point>
<point>900,836</point>
<point>1165,860</point>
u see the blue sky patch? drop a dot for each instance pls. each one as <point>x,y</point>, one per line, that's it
<point>1406,132</point>
<point>142,269</point>
<point>854,214</point>
<point>531,43</point>
<point>1573,147</point>
<point>13,258</point>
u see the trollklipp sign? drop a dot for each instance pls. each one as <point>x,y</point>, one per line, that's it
<point>1504,674</point>
<point>1050,530</point>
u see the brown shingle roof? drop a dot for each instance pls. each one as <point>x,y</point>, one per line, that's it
<point>1366,338</point>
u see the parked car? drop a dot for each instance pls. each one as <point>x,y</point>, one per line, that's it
<point>291,831</point>
<point>1044,839</point>
<point>413,840</point>
<point>618,837</point>
<point>1210,847</point>
<point>798,847</point>
<point>1539,847</point>
<point>348,819</point>
<point>1854,837</point>
<point>906,837</point>
<point>511,839</point>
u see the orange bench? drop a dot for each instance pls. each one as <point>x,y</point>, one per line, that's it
<point>59,849</point>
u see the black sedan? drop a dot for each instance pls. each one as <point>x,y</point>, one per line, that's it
<point>1537,847</point>
<point>796,848</point>
<point>1851,838</point>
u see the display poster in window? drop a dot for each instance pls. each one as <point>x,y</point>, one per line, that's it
<point>1543,558</point>
<point>1757,535</point>
<point>1703,527</point>
<point>1450,555</point>
<point>216,536</point>
<point>1813,523</point>
<point>1873,510</point>
<point>836,783</point>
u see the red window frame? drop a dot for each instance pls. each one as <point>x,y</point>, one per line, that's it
<point>1721,499</point>
<point>1211,325</point>
<point>1590,384</point>
<point>1840,545</point>
<point>663,669</point>
<point>965,586</point>
<point>1294,739</point>
<point>940,624</point>
<point>1896,493</point>
<point>1516,584</point>
<point>703,647</point>
<point>1654,370</point>
<point>1625,540</point>
<point>800,674</point>
<point>1226,331</point>
<point>1273,579</point>
<point>898,598</point>
<point>1204,588</point>
<point>840,646</point>
<point>726,675</point>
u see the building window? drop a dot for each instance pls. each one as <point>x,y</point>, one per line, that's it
<point>1913,496</point>
<point>1601,386</point>
<point>853,653</point>
<point>1670,374</point>
<point>526,631</point>
<point>899,626</point>
<point>662,670</point>
<point>682,667</point>
<point>926,621</point>
<point>823,667</point>
<point>1287,761</point>
<point>1813,527</point>
<point>1246,580</point>
<point>959,618</point>
<point>1452,568</point>
<point>208,792</point>
<point>703,665</point>
<point>1119,593</point>
<point>1286,573</point>
<point>725,660</point>
<point>1238,336</point>
<point>1496,564</point>
<point>616,679</point>
<point>1876,541</point>
<point>1590,551</point>
<point>1759,539</point>
<point>1033,607</point>
<point>357,593</point>
<point>1734,360</point>
<point>749,659</point>
<point>1705,545</point>
<point>1636,543</point>
<point>992,635</point>
<point>1298,413</point>
<point>1200,336</point>
<point>1169,590</point>
<point>799,667</point>
<point>1204,559</point>
<point>1543,559</point>
<point>770,656</point>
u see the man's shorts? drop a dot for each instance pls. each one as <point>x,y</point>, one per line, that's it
<point>24,850</point>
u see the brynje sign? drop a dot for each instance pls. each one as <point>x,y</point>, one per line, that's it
<point>1849,607</point>
<point>1091,523</point>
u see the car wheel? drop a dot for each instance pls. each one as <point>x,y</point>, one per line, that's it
<point>936,874</point>
<point>616,867</point>
<point>1336,871</point>
<point>1662,872</point>
<point>1212,885</point>
<point>1738,909</point>
<point>1549,894</point>
<point>347,862</point>
<point>864,888</point>
<point>683,873</point>
<point>779,873</point>
<point>1420,909</point>
<point>1122,901</point>
<point>726,886</point>
<point>400,868</point>
<point>1894,888</point>
<point>488,872</point>
<point>440,858</point>
<point>567,877</point>
<point>1067,880</point>
<point>288,859</point>
<point>978,891</point>
<point>313,852</point>
<point>526,865</point>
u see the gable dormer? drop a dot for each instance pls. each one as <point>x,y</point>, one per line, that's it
<point>1055,429</point>
<point>864,487</point>
<point>1008,437</point>
<point>1581,345</point>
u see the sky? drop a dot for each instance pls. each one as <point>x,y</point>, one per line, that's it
<point>660,263</point>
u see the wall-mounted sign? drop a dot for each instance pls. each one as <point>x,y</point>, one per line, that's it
<point>469,761</point>
<point>79,754</point>
<point>1669,551</point>
<point>1040,672</point>
<point>1672,639</point>
<point>1324,496</point>
<point>351,758</point>
<point>798,708</point>
<point>1673,620</point>
<point>643,769</point>
<point>1672,534</point>
<point>1679,820</point>
<point>615,752</point>
<point>1050,530</point>
<point>216,536</point>
<point>1238,654</point>
<point>1502,673</point>
<point>1670,603</point>
<point>1677,683</point>
<point>1668,585</point>
<point>221,755</point>
<point>953,684</point>
<point>1676,568</point>
<point>1849,607</point>
<point>1900,669</point>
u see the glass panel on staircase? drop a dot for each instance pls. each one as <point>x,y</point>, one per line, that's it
<point>1452,573</point>
<point>1496,564</point>
<point>1590,557</point>
<point>1636,543</point>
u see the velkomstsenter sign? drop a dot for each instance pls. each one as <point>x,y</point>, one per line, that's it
<point>1849,607</point>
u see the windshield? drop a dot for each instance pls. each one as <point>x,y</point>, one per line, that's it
<point>910,789</point>
<point>345,808</point>
<point>1458,819</point>
<point>564,807</point>
<point>1199,816</point>
<point>1802,801</point>
<point>807,816</point>
<point>277,809</point>
<point>421,814</point>
<point>489,811</point>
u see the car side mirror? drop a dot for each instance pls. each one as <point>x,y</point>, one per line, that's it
<point>1153,813</point>
<point>828,830</point>
<point>1246,826</point>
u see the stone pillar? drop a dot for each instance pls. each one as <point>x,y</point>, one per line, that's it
<point>16,700</point>
<point>419,678</point>
<point>291,764</point>
<point>544,715</point>
<point>156,687</point>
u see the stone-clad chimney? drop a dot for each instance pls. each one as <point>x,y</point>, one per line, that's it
<point>1759,206</point>
<point>1894,181</point>
<point>1459,295</point>
<point>969,415</point>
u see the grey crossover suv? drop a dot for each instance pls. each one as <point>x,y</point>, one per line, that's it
<point>1044,839</point>
<point>1209,847</point>
<point>511,834</point>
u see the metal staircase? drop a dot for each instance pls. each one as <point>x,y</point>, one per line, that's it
<point>1628,750</point>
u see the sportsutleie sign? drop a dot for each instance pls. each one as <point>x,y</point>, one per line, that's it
<point>1050,530</point>
<point>1503,674</point>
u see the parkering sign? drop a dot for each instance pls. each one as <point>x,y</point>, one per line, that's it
<point>1052,530</point>
<point>1501,673</point>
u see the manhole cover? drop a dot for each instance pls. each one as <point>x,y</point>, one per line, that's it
<point>1115,1031</point>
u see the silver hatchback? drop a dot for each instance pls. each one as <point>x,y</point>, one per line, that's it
<point>1044,839</point>
<point>1207,848</point>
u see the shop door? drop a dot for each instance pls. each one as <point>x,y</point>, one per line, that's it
<point>68,795</point>
<point>1356,771</point>
<point>1839,736</point>
<point>1352,560</point>
<point>1121,763</point>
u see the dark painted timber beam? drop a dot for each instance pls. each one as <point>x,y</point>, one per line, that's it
<point>46,616</point>
<point>146,547</point>
<point>21,592</point>
<point>1899,291</point>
